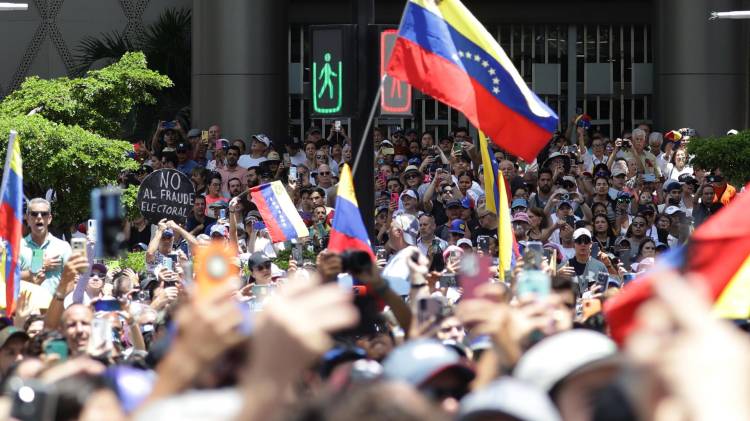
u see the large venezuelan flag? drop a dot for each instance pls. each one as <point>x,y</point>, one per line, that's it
<point>348,231</point>
<point>278,212</point>
<point>444,51</point>
<point>11,217</point>
<point>719,251</point>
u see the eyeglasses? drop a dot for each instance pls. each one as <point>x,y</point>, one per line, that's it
<point>583,240</point>
<point>35,214</point>
<point>266,265</point>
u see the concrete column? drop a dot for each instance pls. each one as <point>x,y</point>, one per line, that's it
<point>572,75</point>
<point>240,67</point>
<point>700,66</point>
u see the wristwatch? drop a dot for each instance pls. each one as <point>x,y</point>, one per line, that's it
<point>59,296</point>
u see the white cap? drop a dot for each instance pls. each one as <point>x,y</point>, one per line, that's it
<point>670,210</point>
<point>465,241</point>
<point>556,357</point>
<point>580,232</point>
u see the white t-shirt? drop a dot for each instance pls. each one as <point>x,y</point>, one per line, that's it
<point>247,161</point>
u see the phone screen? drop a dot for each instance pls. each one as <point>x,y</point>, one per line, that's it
<point>37,260</point>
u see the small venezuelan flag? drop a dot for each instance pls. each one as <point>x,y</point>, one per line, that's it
<point>445,52</point>
<point>278,212</point>
<point>348,231</point>
<point>11,220</point>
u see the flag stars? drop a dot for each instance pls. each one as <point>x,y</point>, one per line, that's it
<point>485,63</point>
<point>460,54</point>
<point>477,58</point>
<point>495,81</point>
<point>496,90</point>
<point>468,54</point>
<point>456,57</point>
<point>491,71</point>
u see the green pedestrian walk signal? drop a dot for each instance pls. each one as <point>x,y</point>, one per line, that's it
<point>332,70</point>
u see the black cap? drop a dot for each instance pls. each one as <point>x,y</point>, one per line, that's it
<point>453,203</point>
<point>256,259</point>
<point>182,147</point>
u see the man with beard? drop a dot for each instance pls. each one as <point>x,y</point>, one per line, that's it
<point>234,185</point>
<point>544,189</point>
<point>231,169</point>
<point>673,197</point>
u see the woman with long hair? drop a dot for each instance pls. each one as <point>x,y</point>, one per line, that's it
<point>198,177</point>
<point>603,233</point>
<point>213,193</point>
<point>540,228</point>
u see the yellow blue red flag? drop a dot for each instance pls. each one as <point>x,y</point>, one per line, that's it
<point>348,231</point>
<point>445,52</point>
<point>11,217</point>
<point>278,212</point>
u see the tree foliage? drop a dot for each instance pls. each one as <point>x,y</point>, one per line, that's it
<point>98,102</point>
<point>731,154</point>
<point>68,146</point>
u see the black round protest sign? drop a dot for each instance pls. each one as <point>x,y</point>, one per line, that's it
<point>166,194</point>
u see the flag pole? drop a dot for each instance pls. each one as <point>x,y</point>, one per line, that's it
<point>366,131</point>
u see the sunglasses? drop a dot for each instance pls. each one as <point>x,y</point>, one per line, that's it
<point>324,173</point>
<point>266,265</point>
<point>583,240</point>
<point>43,214</point>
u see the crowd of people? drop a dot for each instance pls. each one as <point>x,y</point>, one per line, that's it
<point>305,333</point>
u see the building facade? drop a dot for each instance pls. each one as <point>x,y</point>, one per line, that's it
<point>622,62</point>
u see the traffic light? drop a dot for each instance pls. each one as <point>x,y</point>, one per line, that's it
<point>395,95</point>
<point>333,70</point>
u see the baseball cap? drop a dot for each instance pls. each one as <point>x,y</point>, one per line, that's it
<point>409,225</point>
<point>182,147</point>
<point>569,178</point>
<point>580,232</point>
<point>273,156</point>
<point>415,161</point>
<point>416,362</point>
<point>467,203</point>
<point>519,203</point>
<point>458,226</point>
<point>9,332</point>
<point>313,129</point>
<point>410,193</point>
<point>194,133</point>
<point>99,267</point>
<point>649,178</point>
<point>257,258</point>
<point>617,170</point>
<point>260,137</point>
<point>554,358</point>
<point>565,203</point>
<point>672,185</point>
<point>218,229</point>
<point>671,210</point>
<point>386,143</point>
<point>464,242</point>
<point>453,203</point>
<point>168,233</point>
<point>521,217</point>
<point>448,250</point>
<point>511,397</point>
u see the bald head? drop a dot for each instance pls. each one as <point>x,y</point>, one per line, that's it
<point>76,327</point>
